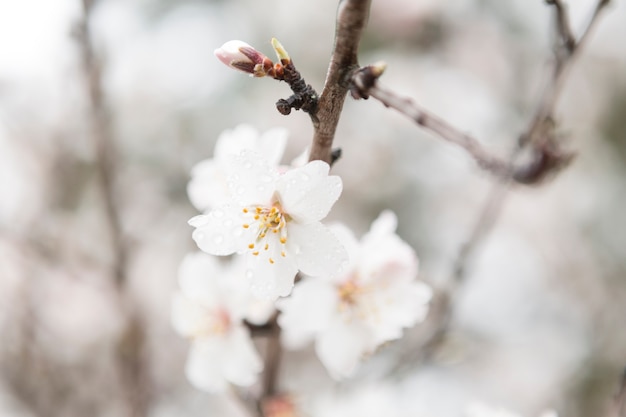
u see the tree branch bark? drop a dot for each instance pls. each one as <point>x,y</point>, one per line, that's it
<point>351,19</point>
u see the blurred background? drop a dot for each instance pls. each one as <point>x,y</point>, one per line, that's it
<point>101,120</point>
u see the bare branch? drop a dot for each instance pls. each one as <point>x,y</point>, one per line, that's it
<point>563,25</point>
<point>104,144</point>
<point>539,134</point>
<point>548,156</point>
<point>351,19</point>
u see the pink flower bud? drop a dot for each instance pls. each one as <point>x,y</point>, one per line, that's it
<point>243,57</point>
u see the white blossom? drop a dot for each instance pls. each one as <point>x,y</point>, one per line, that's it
<point>209,310</point>
<point>274,219</point>
<point>208,187</point>
<point>370,303</point>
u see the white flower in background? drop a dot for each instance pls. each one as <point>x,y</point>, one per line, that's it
<point>482,410</point>
<point>372,400</point>
<point>208,187</point>
<point>368,304</point>
<point>209,310</point>
<point>274,219</point>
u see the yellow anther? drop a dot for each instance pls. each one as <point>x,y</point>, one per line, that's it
<point>267,246</point>
<point>259,209</point>
<point>245,225</point>
<point>251,245</point>
<point>283,254</point>
<point>271,261</point>
<point>275,231</point>
<point>256,217</point>
<point>255,253</point>
<point>262,235</point>
<point>245,210</point>
<point>283,240</point>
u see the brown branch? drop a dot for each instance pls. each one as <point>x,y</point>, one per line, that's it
<point>538,134</point>
<point>548,158</point>
<point>351,19</point>
<point>563,25</point>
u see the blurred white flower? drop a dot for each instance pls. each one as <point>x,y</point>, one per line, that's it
<point>209,310</point>
<point>208,187</point>
<point>482,410</point>
<point>275,220</point>
<point>372,400</point>
<point>370,303</point>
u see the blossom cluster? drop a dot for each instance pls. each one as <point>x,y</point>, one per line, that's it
<point>260,228</point>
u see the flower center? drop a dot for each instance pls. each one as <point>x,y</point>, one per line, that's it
<point>270,226</point>
<point>214,323</point>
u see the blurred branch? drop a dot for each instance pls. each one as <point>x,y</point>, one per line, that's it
<point>539,136</point>
<point>130,355</point>
<point>351,19</point>
<point>618,408</point>
<point>104,143</point>
<point>548,159</point>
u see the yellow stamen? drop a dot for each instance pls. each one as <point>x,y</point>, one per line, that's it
<point>255,253</point>
<point>251,245</point>
<point>271,261</point>
<point>283,239</point>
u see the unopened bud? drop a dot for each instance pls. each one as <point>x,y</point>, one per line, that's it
<point>281,53</point>
<point>243,57</point>
<point>378,68</point>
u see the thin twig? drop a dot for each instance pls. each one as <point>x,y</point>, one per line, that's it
<point>538,134</point>
<point>563,24</point>
<point>351,19</point>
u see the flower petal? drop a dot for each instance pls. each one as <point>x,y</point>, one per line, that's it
<point>272,144</point>
<point>307,193</point>
<point>186,315</point>
<point>221,231</point>
<point>306,312</point>
<point>207,187</point>
<point>203,368</point>
<point>270,280</point>
<point>232,141</point>
<point>242,363</point>
<point>341,347</point>
<point>198,274</point>
<point>251,180</point>
<point>318,251</point>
